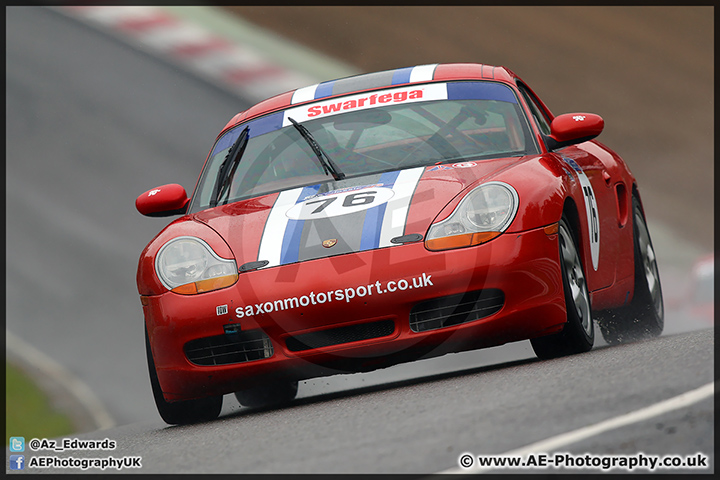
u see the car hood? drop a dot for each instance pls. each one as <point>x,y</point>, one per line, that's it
<point>350,215</point>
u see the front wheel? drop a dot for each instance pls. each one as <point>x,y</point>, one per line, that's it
<point>183,412</point>
<point>578,335</point>
<point>644,316</point>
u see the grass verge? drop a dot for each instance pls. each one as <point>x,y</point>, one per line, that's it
<point>28,411</point>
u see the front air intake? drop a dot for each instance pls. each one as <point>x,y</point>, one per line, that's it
<point>225,349</point>
<point>455,309</point>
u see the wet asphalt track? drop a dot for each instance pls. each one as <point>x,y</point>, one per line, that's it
<point>91,124</point>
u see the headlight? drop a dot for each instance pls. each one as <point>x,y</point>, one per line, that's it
<point>484,213</point>
<point>188,265</point>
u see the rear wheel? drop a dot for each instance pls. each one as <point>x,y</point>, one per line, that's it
<point>578,335</point>
<point>644,316</point>
<point>272,394</point>
<point>183,412</point>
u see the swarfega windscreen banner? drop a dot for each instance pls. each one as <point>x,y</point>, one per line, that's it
<point>362,101</point>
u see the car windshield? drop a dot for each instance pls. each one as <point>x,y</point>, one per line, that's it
<point>369,133</point>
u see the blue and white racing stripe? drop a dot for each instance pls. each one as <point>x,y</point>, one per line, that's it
<point>352,218</point>
<point>372,226</point>
<point>278,225</point>
<point>420,73</point>
<point>395,215</point>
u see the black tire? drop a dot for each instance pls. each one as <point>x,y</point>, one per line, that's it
<point>644,316</point>
<point>578,335</point>
<point>272,394</point>
<point>183,412</point>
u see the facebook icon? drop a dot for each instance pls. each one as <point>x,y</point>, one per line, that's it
<point>17,462</point>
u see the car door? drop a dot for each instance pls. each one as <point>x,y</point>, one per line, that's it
<point>588,163</point>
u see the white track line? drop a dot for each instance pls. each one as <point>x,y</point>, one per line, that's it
<point>574,436</point>
<point>64,377</point>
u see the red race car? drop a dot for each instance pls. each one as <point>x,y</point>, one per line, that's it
<point>383,218</point>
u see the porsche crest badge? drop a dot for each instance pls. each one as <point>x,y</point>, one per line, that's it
<point>329,243</point>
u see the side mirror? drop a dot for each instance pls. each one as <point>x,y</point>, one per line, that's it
<point>163,201</point>
<point>572,128</point>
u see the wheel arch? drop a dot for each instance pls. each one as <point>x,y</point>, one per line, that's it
<point>572,214</point>
<point>635,192</point>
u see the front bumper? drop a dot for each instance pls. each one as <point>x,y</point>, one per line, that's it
<point>353,313</point>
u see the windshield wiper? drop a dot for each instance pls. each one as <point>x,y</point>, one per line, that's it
<point>326,163</point>
<point>229,165</point>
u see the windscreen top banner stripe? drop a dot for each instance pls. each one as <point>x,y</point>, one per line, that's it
<point>401,95</point>
<point>307,223</point>
<point>420,73</point>
<point>367,100</point>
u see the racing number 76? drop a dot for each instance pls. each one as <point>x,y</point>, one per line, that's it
<point>351,200</point>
